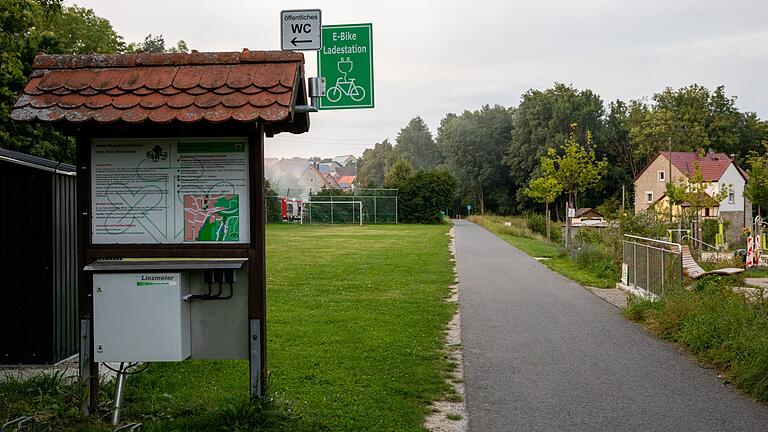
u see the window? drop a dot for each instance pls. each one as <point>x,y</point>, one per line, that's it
<point>660,175</point>
<point>649,197</point>
<point>731,196</point>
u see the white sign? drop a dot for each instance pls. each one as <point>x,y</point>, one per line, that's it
<point>300,30</point>
<point>151,191</point>
<point>571,212</point>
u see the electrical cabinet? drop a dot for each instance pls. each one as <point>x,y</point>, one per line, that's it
<point>141,317</point>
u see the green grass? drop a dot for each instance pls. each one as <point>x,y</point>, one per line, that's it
<point>720,327</point>
<point>355,319</point>
<point>537,246</point>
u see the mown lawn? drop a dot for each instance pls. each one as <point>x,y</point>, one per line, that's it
<point>355,343</point>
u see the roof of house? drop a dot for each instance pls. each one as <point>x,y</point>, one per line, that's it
<point>35,162</point>
<point>343,159</point>
<point>164,87</point>
<point>712,165</point>
<point>586,210</point>
<point>347,180</point>
<point>703,196</point>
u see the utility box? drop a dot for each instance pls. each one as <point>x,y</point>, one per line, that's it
<point>141,317</point>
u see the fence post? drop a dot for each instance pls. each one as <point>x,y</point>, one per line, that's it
<point>634,263</point>
<point>663,270</point>
<point>648,268</point>
<point>375,213</point>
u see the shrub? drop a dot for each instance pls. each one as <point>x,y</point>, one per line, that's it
<point>425,194</point>
<point>537,223</point>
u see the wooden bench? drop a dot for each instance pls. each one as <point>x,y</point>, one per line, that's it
<point>694,271</point>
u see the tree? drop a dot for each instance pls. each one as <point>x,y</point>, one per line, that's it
<point>274,204</point>
<point>756,189</point>
<point>374,164</point>
<point>156,44</point>
<point>79,30</point>
<point>546,190</point>
<point>398,174</point>
<point>23,34</point>
<point>576,169</point>
<point>473,145</point>
<point>543,120</point>
<point>415,143</point>
<point>425,194</point>
<point>693,195</point>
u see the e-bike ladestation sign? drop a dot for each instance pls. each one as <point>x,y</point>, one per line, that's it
<point>346,62</point>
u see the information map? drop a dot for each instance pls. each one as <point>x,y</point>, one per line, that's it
<point>169,191</point>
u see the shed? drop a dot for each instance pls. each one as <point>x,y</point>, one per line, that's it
<point>38,296</point>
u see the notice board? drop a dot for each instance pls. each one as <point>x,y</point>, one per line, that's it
<point>153,191</point>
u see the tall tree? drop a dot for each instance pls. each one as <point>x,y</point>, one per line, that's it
<point>415,143</point>
<point>397,175</point>
<point>374,164</point>
<point>474,144</point>
<point>543,120</point>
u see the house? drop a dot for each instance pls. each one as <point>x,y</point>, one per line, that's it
<point>720,173</point>
<point>344,160</point>
<point>587,217</point>
<point>347,183</point>
<point>312,180</point>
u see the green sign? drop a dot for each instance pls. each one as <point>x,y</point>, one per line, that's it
<point>346,63</point>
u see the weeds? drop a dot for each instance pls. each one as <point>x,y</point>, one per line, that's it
<point>719,326</point>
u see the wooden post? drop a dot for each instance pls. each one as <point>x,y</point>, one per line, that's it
<point>257,268</point>
<point>89,370</point>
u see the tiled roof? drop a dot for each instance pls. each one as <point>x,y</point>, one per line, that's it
<point>347,180</point>
<point>712,165</point>
<point>163,87</point>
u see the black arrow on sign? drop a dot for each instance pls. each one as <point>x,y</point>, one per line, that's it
<point>294,41</point>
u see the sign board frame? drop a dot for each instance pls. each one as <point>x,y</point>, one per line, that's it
<point>344,89</point>
<point>312,40</point>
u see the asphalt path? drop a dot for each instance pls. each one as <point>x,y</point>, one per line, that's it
<point>541,353</point>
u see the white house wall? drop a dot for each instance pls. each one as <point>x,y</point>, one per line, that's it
<point>732,177</point>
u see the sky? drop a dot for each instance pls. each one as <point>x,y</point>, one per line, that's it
<point>436,57</point>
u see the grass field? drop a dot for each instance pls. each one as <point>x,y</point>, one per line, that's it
<point>355,343</point>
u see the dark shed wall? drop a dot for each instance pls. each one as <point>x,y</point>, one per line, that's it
<point>37,266</point>
<point>64,236</point>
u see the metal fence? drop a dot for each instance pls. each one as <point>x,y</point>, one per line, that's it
<point>651,266</point>
<point>375,209</point>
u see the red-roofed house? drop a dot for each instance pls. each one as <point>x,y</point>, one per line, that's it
<point>717,169</point>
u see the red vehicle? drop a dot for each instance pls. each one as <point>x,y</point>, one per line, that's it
<point>291,209</point>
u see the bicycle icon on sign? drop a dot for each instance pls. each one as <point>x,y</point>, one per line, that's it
<point>345,86</point>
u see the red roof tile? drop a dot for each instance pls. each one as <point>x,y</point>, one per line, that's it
<point>215,87</point>
<point>712,165</point>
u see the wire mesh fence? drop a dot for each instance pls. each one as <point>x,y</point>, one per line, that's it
<point>652,266</point>
<point>369,206</point>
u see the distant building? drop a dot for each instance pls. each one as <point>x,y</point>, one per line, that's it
<point>718,171</point>
<point>344,160</point>
<point>312,180</point>
<point>347,183</point>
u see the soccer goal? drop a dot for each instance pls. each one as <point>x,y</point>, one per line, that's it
<point>333,212</point>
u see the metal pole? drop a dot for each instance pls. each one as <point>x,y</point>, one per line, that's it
<point>119,393</point>
<point>331,210</point>
<point>395,209</point>
<point>634,263</point>
<point>361,213</point>
<point>648,268</point>
<point>374,210</point>
<point>663,272</point>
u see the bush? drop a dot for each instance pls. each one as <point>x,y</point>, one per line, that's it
<point>538,223</point>
<point>593,258</point>
<point>425,194</point>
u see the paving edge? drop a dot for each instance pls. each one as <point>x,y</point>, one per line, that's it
<point>451,415</point>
